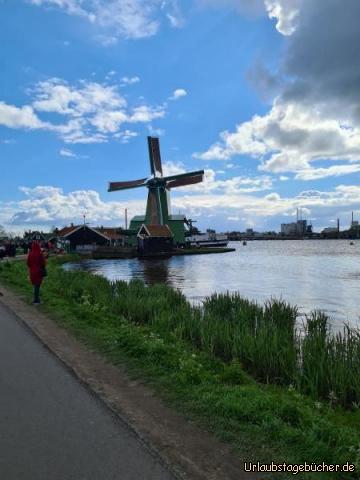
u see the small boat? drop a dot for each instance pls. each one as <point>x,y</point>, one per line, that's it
<point>352,243</point>
<point>244,242</point>
<point>207,240</point>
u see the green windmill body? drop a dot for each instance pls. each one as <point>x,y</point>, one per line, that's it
<point>159,187</point>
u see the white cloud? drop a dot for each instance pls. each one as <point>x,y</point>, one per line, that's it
<point>88,112</point>
<point>130,80</point>
<point>316,115</point>
<point>126,135</point>
<point>288,139</point>
<point>334,171</point>
<point>58,96</point>
<point>178,93</point>
<point>48,205</point>
<point>23,117</point>
<point>146,114</point>
<point>72,7</point>
<point>120,18</point>
<point>173,168</point>
<point>238,184</point>
<point>65,152</point>
<point>155,132</point>
<point>173,13</point>
<point>285,12</point>
<point>44,206</point>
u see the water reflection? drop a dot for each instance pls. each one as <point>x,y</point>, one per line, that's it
<point>310,274</point>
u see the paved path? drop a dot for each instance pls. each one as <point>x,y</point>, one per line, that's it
<point>51,427</point>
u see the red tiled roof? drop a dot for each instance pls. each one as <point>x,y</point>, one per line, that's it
<point>158,230</point>
<point>111,233</point>
<point>65,231</point>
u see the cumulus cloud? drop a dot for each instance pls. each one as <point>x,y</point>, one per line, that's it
<point>48,205</point>
<point>118,18</point>
<point>178,93</point>
<point>87,112</point>
<point>238,184</point>
<point>316,114</point>
<point>334,171</point>
<point>44,206</point>
<point>285,12</point>
<point>173,168</point>
<point>23,117</point>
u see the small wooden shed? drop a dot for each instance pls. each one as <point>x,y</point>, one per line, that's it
<point>154,240</point>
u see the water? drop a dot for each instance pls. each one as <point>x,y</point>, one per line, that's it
<point>321,274</point>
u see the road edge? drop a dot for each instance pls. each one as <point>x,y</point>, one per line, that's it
<point>187,451</point>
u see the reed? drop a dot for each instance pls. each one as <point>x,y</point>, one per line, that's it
<point>330,363</point>
<point>264,339</point>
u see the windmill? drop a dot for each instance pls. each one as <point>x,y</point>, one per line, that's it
<point>157,208</point>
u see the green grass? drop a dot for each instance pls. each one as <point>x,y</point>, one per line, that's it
<point>239,369</point>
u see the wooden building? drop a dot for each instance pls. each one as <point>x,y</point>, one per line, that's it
<point>85,238</point>
<point>155,240</point>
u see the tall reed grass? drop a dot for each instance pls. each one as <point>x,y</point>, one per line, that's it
<point>263,338</point>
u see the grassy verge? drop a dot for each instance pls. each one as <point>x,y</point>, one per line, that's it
<point>218,372</point>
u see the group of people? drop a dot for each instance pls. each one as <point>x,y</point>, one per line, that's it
<point>8,250</point>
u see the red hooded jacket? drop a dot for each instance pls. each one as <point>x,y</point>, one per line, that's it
<point>36,264</point>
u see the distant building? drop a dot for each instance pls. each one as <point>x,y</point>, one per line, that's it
<point>35,236</point>
<point>294,229</point>
<point>83,237</point>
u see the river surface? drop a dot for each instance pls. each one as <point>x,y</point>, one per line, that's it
<point>313,274</point>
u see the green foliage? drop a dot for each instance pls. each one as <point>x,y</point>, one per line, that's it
<point>209,361</point>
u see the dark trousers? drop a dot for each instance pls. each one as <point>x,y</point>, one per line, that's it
<point>36,294</point>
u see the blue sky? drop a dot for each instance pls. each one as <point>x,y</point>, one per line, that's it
<point>263,95</point>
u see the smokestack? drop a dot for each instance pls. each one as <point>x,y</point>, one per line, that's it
<point>297,214</point>
<point>126,219</point>
<point>352,218</point>
<point>338,225</point>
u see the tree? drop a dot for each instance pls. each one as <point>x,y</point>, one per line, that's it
<point>2,232</point>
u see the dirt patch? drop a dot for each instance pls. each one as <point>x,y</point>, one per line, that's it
<point>190,452</point>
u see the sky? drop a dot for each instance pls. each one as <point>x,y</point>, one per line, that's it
<point>264,95</point>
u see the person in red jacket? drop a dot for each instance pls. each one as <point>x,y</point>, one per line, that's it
<point>36,264</point>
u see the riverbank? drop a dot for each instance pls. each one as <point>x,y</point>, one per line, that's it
<point>112,253</point>
<point>155,332</point>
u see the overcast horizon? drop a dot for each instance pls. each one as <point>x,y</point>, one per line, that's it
<point>263,95</point>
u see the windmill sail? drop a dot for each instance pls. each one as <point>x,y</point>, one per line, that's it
<point>181,181</point>
<point>114,186</point>
<point>154,155</point>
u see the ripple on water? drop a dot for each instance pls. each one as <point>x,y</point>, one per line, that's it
<point>320,274</point>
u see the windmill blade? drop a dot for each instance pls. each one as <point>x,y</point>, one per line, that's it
<point>114,186</point>
<point>184,179</point>
<point>182,182</point>
<point>154,155</point>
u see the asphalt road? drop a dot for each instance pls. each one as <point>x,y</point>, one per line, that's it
<point>52,427</point>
